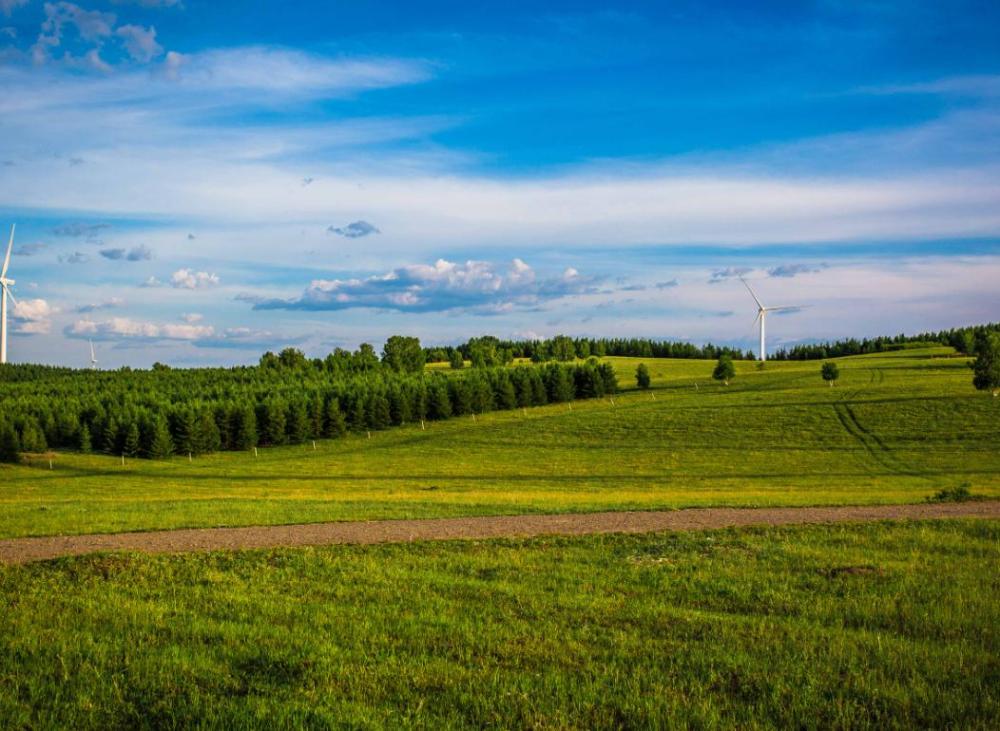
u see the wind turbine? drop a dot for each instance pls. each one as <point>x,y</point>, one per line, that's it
<point>93,357</point>
<point>5,285</point>
<point>762,316</point>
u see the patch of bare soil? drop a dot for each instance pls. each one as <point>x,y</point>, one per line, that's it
<point>23,550</point>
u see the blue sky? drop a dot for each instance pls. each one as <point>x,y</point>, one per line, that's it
<point>195,182</point>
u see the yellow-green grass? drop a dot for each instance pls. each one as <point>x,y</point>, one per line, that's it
<point>896,428</point>
<point>876,626</point>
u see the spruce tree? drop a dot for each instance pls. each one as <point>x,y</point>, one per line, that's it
<point>161,445</point>
<point>83,440</point>
<point>334,423</point>
<point>130,445</point>
<point>642,379</point>
<point>10,444</point>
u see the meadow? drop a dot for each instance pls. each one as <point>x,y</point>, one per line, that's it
<point>897,427</point>
<point>885,625</point>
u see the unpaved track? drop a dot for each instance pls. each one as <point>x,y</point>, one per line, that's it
<point>24,550</point>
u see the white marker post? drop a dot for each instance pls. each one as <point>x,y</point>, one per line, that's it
<point>314,445</point>
<point>422,427</point>
<point>255,452</point>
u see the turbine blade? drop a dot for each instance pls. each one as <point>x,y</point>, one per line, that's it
<point>10,294</point>
<point>10,245</point>
<point>790,307</point>
<point>752,293</point>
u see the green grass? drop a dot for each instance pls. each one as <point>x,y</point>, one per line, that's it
<point>877,626</point>
<point>898,427</point>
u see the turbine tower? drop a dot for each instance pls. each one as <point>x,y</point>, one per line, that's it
<point>762,316</point>
<point>5,285</point>
<point>93,357</point>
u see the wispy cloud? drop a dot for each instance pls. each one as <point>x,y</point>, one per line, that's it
<point>721,275</point>
<point>77,257</point>
<point>30,249</point>
<point>475,286</point>
<point>791,270</point>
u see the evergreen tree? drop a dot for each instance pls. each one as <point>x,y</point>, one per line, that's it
<point>130,444</point>
<point>334,423</point>
<point>642,379</point>
<point>206,434</point>
<point>830,372</point>
<point>456,359</point>
<point>296,422</point>
<point>243,428</point>
<point>986,367</point>
<point>438,401</point>
<point>160,445</point>
<point>724,371</point>
<point>10,444</point>
<point>83,439</point>
<point>109,436</point>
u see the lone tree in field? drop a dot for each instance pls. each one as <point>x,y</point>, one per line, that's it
<point>724,369</point>
<point>830,372</point>
<point>642,376</point>
<point>986,366</point>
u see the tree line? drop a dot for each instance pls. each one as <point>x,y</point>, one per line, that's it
<point>286,399</point>
<point>487,351</point>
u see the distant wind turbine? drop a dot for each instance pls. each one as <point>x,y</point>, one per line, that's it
<point>5,285</point>
<point>93,357</point>
<point>762,315</point>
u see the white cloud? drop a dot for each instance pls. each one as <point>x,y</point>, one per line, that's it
<point>190,279</point>
<point>151,281</point>
<point>475,285</point>
<point>33,317</point>
<point>92,27</point>
<point>140,42</point>
<point>192,317</point>
<point>118,328</point>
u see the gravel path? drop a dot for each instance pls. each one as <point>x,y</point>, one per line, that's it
<point>23,550</point>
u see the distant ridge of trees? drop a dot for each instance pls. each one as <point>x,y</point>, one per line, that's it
<point>286,399</point>
<point>488,350</point>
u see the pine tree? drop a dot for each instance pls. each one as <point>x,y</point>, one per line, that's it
<point>130,445</point>
<point>10,444</point>
<point>161,445</point>
<point>334,424</point>
<point>243,428</point>
<point>83,437</point>
<point>206,435</point>
<point>642,379</point>
<point>296,423</point>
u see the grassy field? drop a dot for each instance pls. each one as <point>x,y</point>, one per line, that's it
<point>878,626</point>
<point>896,428</point>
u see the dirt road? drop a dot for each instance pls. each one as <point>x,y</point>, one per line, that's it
<point>23,550</point>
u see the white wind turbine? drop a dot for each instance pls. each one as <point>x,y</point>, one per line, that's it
<point>5,285</point>
<point>93,357</point>
<point>762,316</point>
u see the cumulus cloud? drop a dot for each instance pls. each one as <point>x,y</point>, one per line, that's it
<point>107,304</point>
<point>192,317</point>
<point>190,279</point>
<point>790,270</point>
<point>124,328</point>
<point>91,26</point>
<point>151,281</point>
<point>77,257</point>
<point>354,230</point>
<point>477,286</point>
<point>139,42</point>
<point>33,317</point>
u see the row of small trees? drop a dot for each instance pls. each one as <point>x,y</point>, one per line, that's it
<point>161,412</point>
